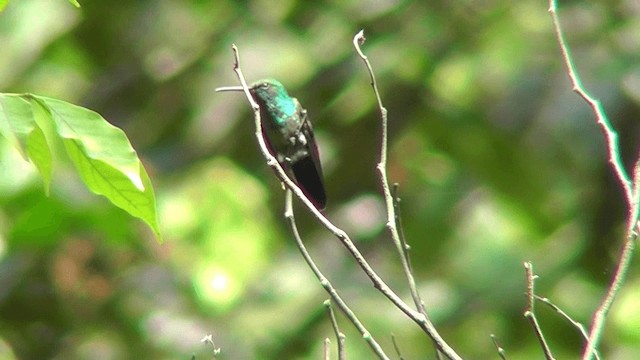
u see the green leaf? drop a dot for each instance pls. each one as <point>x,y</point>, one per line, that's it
<point>3,4</point>
<point>102,154</point>
<point>74,2</point>
<point>104,158</point>
<point>104,179</point>
<point>97,138</point>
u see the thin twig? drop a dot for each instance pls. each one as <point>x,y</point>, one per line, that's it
<point>382,170</point>
<point>632,223</point>
<point>599,317</point>
<point>396,347</point>
<point>609,133</point>
<point>339,335</point>
<point>428,326</point>
<point>499,349</point>
<point>395,190</point>
<point>378,283</point>
<point>629,188</point>
<point>529,311</point>
<point>576,324</point>
<point>405,254</point>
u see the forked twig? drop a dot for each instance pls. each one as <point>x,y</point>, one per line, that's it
<point>391,224</point>
<point>381,167</point>
<point>326,284</point>
<point>378,283</point>
<point>292,187</point>
<point>339,335</point>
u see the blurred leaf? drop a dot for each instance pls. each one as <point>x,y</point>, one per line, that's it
<point>75,3</point>
<point>213,215</point>
<point>3,4</point>
<point>6,353</point>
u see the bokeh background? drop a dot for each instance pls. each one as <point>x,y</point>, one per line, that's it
<point>498,161</point>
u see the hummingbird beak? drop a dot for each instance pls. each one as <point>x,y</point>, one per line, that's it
<point>229,88</point>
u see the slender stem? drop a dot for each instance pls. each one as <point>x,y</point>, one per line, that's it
<point>530,314</point>
<point>630,189</point>
<point>391,224</point>
<point>599,317</point>
<point>378,283</point>
<point>609,132</point>
<point>404,249</point>
<point>576,324</point>
<point>396,347</point>
<point>381,167</point>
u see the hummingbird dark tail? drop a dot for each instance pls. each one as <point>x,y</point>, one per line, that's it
<point>310,181</point>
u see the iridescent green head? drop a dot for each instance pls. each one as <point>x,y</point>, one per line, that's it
<point>273,97</point>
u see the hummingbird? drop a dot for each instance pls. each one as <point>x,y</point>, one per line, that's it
<point>289,136</point>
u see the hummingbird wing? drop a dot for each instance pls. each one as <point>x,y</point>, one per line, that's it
<point>308,170</point>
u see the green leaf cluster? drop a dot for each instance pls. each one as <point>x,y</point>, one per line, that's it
<point>101,153</point>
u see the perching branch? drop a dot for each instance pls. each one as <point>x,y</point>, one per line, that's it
<point>529,311</point>
<point>378,283</point>
<point>629,187</point>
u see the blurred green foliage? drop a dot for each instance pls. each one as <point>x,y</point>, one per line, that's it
<point>498,161</point>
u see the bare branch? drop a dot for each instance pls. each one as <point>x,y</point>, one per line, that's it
<point>609,132</point>
<point>292,187</point>
<point>529,311</point>
<point>378,283</point>
<point>630,189</point>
